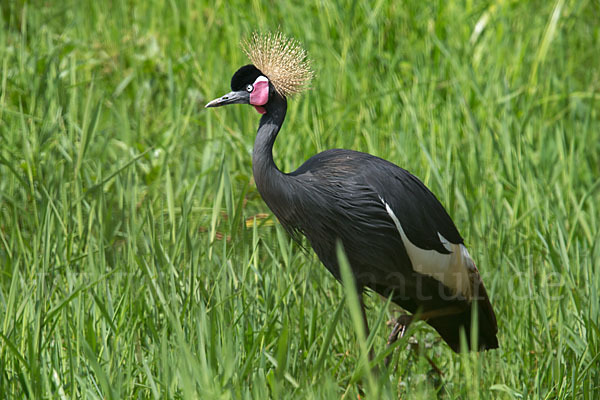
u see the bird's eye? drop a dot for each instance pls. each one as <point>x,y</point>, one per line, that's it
<point>249,88</point>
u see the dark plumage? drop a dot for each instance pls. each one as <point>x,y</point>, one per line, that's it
<point>369,204</point>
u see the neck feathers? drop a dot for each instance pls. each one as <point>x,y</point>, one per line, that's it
<point>267,176</point>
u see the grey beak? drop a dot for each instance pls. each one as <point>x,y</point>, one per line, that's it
<point>241,97</point>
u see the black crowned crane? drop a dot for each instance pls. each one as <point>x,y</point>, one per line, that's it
<point>398,238</point>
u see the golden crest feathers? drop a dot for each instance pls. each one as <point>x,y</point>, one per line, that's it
<point>282,60</point>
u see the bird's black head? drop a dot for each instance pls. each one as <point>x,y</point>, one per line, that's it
<point>249,86</point>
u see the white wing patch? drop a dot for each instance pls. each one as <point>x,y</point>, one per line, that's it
<point>454,270</point>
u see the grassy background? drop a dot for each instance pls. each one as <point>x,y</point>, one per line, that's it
<point>130,265</point>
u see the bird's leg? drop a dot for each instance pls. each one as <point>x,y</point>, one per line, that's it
<point>400,327</point>
<point>433,365</point>
<point>366,324</point>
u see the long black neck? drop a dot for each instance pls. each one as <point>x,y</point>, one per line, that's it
<point>268,178</point>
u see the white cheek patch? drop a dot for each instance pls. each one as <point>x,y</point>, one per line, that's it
<point>261,78</point>
<point>453,270</point>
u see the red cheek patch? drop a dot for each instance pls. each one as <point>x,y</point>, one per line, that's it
<point>260,109</point>
<point>260,94</point>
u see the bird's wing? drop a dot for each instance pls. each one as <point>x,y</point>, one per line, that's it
<point>423,218</point>
<point>431,240</point>
<point>421,215</point>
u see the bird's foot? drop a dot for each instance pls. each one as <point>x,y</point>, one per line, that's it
<point>399,329</point>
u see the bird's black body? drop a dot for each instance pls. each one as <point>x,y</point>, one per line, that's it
<point>341,195</point>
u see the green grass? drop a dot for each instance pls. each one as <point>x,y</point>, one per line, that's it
<point>128,268</point>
